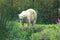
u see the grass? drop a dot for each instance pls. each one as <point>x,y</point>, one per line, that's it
<point>48,32</point>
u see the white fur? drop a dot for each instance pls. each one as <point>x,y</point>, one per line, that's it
<point>30,16</point>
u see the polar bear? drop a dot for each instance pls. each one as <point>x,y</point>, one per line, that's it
<point>28,16</point>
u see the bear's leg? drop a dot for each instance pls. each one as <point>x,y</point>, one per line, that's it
<point>21,24</point>
<point>28,23</point>
<point>33,23</point>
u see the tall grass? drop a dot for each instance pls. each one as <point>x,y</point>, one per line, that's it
<point>47,32</point>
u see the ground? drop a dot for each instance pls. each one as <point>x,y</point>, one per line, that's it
<point>39,32</point>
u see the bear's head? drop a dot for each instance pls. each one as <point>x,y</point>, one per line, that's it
<point>22,15</point>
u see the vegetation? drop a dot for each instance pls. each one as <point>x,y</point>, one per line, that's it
<point>46,27</point>
<point>40,32</point>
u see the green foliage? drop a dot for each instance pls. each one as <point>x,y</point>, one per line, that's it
<point>48,32</point>
<point>46,9</point>
<point>15,33</point>
<point>47,13</point>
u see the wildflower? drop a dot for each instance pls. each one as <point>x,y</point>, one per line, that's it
<point>58,21</point>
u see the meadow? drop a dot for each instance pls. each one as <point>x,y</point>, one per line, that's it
<point>39,32</point>
<point>48,12</point>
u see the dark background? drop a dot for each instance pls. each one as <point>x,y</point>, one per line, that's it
<point>47,10</point>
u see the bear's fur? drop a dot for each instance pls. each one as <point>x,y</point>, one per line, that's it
<point>29,16</point>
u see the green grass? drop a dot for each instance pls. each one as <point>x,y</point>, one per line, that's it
<point>48,32</point>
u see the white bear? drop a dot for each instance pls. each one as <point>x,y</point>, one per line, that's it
<point>28,16</point>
